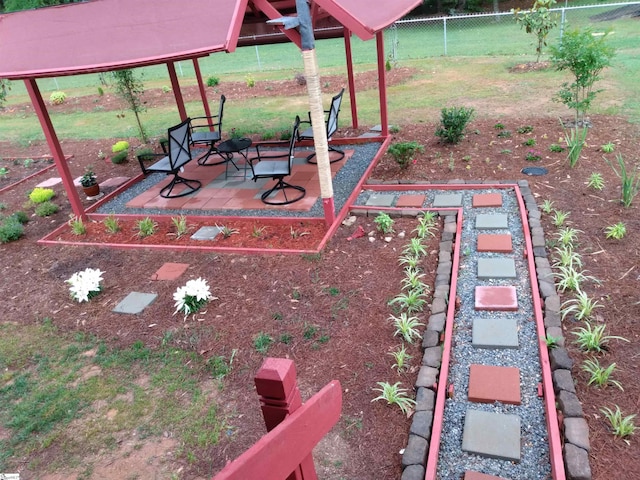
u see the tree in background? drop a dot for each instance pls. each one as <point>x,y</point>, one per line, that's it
<point>539,21</point>
<point>5,86</point>
<point>130,88</point>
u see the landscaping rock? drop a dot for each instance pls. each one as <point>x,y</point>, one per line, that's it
<point>416,451</point>
<point>421,424</point>
<point>576,461</point>
<point>576,431</point>
<point>562,380</point>
<point>569,404</point>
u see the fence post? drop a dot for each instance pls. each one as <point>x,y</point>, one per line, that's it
<point>562,20</point>
<point>277,386</point>
<point>444,23</point>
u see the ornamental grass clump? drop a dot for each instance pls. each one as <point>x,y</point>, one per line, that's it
<point>192,297</point>
<point>85,285</point>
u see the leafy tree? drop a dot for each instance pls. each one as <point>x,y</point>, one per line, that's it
<point>130,88</point>
<point>5,86</point>
<point>585,56</point>
<point>539,21</point>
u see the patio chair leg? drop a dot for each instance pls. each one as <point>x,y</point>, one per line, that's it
<point>282,185</point>
<point>311,157</point>
<point>192,186</point>
<point>212,150</point>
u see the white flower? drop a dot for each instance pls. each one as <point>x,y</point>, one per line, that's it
<point>192,297</point>
<point>85,284</point>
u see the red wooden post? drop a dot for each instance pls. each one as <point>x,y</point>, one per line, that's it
<point>277,386</point>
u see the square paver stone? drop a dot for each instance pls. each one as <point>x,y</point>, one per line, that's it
<point>488,384</point>
<point>50,182</point>
<point>491,268</point>
<point>448,200</point>
<point>381,200</point>
<point>487,200</point>
<point>494,435</point>
<point>135,303</point>
<point>492,221</point>
<point>500,243</point>
<point>206,233</point>
<point>496,298</point>
<point>411,201</point>
<point>495,333</point>
<point>170,271</point>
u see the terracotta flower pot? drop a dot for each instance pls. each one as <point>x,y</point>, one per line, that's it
<point>92,191</point>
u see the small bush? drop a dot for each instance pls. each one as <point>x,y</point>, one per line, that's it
<point>404,152</point>
<point>300,79</point>
<point>10,230</point>
<point>250,81</point>
<point>20,216</point>
<point>213,81</point>
<point>40,195</point>
<point>46,209</point>
<point>119,158</point>
<point>121,146</point>
<point>453,123</point>
<point>57,98</point>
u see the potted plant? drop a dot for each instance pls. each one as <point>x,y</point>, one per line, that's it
<point>90,183</point>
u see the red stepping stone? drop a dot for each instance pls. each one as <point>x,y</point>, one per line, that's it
<point>410,201</point>
<point>503,299</point>
<point>469,475</point>
<point>170,271</point>
<point>487,200</point>
<point>494,243</point>
<point>488,384</point>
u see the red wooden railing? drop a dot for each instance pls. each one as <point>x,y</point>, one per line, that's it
<point>293,428</point>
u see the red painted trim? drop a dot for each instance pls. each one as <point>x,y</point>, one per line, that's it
<point>351,78</point>
<point>203,92</point>
<point>33,175</point>
<point>177,93</point>
<point>329,211</point>
<point>237,20</point>
<point>54,146</point>
<point>441,394</point>
<point>382,84</point>
<point>555,443</point>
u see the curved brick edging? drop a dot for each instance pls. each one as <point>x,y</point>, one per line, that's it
<point>573,427</point>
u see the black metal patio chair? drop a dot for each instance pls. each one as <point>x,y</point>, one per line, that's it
<point>208,130</point>
<point>269,164</point>
<point>178,155</point>
<point>332,127</point>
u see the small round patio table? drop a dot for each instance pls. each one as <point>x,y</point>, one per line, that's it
<point>228,148</point>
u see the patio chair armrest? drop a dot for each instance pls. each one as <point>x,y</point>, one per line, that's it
<point>147,156</point>
<point>204,121</point>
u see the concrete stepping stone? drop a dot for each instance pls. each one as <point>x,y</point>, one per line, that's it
<point>489,221</point>
<point>500,243</point>
<point>487,200</point>
<point>488,384</point>
<point>494,435</point>
<point>448,200</point>
<point>135,303</point>
<point>207,233</point>
<point>414,201</point>
<point>381,200</point>
<point>470,475</point>
<point>495,333</point>
<point>496,298</point>
<point>170,271</point>
<point>50,182</point>
<point>489,268</point>
<point>114,182</point>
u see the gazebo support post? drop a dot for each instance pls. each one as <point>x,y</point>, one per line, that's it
<point>382,84</point>
<point>54,146</point>
<point>175,86</point>
<point>203,93</point>
<point>316,110</point>
<point>351,78</point>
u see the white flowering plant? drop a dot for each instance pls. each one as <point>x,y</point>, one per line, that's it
<point>192,297</point>
<point>85,285</point>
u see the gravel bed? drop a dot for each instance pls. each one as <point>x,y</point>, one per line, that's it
<point>344,182</point>
<point>535,462</point>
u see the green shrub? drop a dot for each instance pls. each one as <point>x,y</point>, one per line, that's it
<point>20,216</point>
<point>40,195</point>
<point>213,81</point>
<point>10,230</point>
<point>404,152</point>
<point>119,158</point>
<point>57,98</point>
<point>121,146</point>
<point>46,209</point>
<point>453,123</point>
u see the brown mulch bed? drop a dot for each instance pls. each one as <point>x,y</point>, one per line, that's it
<point>342,293</point>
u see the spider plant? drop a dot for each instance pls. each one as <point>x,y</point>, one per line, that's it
<point>570,279</point>
<point>406,326</point>
<point>77,226</point>
<point>593,339</point>
<point>415,247</point>
<point>401,357</point>
<point>622,426</point>
<point>547,206</point>
<point>426,225</point>
<point>566,256</point>
<point>146,227</point>
<point>413,280</point>
<point>258,231</point>
<point>394,395</point>
<point>595,181</point>
<point>228,231</point>
<point>600,376</point>
<point>410,261</point>
<point>568,236</point>
<point>580,307</point>
<point>412,301</point>
<point>616,231</point>
<point>559,217</point>
<point>180,225</point>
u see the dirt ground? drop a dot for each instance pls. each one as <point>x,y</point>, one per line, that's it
<point>343,293</point>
